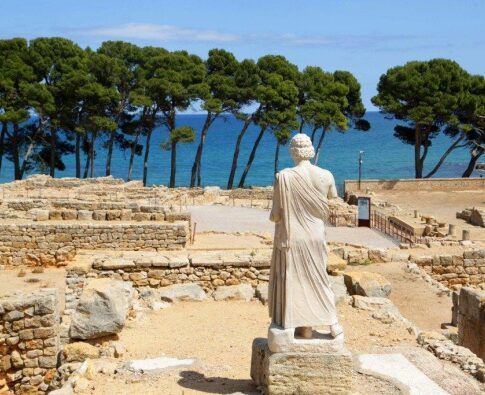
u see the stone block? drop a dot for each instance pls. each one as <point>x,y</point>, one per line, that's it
<point>367,284</point>
<point>234,292</point>
<point>262,293</point>
<point>335,262</point>
<point>69,215</point>
<point>99,215</point>
<point>126,215</point>
<point>39,214</point>
<point>79,352</point>
<point>113,215</point>
<point>301,372</point>
<point>55,215</point>
<point>141,217</point>
<point>102,309</point>
<point>84,215</point>
<point>182,292</point>
<point>48,362</point>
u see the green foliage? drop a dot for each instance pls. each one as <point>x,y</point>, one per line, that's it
<point>427,95</point>
<point>121,92</point>
<point>182,134</point>
<point>424,93</point>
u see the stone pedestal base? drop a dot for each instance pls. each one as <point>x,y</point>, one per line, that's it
<point>321,372</point>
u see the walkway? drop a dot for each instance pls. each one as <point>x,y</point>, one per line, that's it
<point>244,219</point>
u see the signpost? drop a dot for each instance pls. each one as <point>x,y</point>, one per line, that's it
<point>363,216</point>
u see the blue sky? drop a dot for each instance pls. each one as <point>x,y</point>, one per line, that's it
<point>365,37</point>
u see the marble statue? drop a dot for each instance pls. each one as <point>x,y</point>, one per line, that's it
<point>299,294</point>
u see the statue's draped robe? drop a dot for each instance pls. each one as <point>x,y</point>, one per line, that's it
<point>299,288</point>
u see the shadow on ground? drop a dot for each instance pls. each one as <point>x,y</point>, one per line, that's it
<point>215,385</point>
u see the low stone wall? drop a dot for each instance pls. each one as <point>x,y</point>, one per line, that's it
<point>471,320</point>
<point>455,271</point>
<point>54,243</point>
<point>29,341</point>
<point>413,184</point>
<point>159,270</point>
<point>474,215</point>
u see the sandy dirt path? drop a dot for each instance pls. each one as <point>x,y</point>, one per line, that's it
<point>420,303</point>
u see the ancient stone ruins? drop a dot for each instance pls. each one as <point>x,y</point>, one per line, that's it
<point>112,287</point>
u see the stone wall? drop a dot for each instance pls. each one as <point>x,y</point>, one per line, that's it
<point>473,215</point>
<point>471,320</point>
<point>29,341</point>
<point>56,243</point>
<point>455,271</point>
<point>426,184</point>
<point>209,270</point>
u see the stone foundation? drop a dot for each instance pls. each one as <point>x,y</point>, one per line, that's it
<point>145,269</point>
<point>455,271</point>
<point>301,372</point>
<point>29,341</point>
<point>471,320</point>
<point>474,215</point>
<point>54,243</point>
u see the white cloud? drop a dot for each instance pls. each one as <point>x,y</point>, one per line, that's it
<point>161,33</point>
<point>170,33</point>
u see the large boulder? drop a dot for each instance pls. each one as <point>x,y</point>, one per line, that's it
<point>262,293</point>
<point>234,292</point>
<point>102,309</point>
<point>335,263</point>
<point>370,303</point>
<point>367,284</point>
<point>186,292</point>
<point>339,289</point>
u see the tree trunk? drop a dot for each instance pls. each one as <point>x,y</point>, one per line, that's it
<point>92,152</point>
<point>235,157</point>
<point>276,157</point>
<point>425,154</point>
<point>145,159</point>
<point>302,123</point>
<point>319,146</point>
<point>78,155</point>
<point>451,148</point>
<point>53,142</point>
<point>2,139</point>
<point>173,164</point>
<point>26,157</point>
<point>313,134</point>
<point>109,155</point>
<point>15,151</point>
<point>417,152</point>
<point>88,158</point>
<point>475,155</point>
<point>251,158</point>
<point>195,176</point>
<point>132,157</point>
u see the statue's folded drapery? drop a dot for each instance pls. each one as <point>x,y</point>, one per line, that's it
<point>299,288</point>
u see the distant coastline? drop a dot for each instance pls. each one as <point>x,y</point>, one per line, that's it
<point>385,157</point>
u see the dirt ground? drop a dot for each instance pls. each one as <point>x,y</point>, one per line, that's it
<point>420,303</point>
<point>24,280</point>
<point>218,335</point>
<point>442,205</point>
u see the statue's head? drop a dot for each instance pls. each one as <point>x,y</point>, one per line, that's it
<point>301,148</point>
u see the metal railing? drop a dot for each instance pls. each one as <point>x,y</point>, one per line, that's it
<point>382,223</point>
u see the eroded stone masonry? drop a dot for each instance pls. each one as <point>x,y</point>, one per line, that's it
<point>29,341</point>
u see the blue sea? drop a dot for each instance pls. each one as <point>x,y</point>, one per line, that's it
<point>385,156</point>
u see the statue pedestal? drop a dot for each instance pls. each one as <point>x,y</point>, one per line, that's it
<point>321,371</point>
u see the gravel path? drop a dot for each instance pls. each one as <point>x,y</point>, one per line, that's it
<point>244,219</point>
